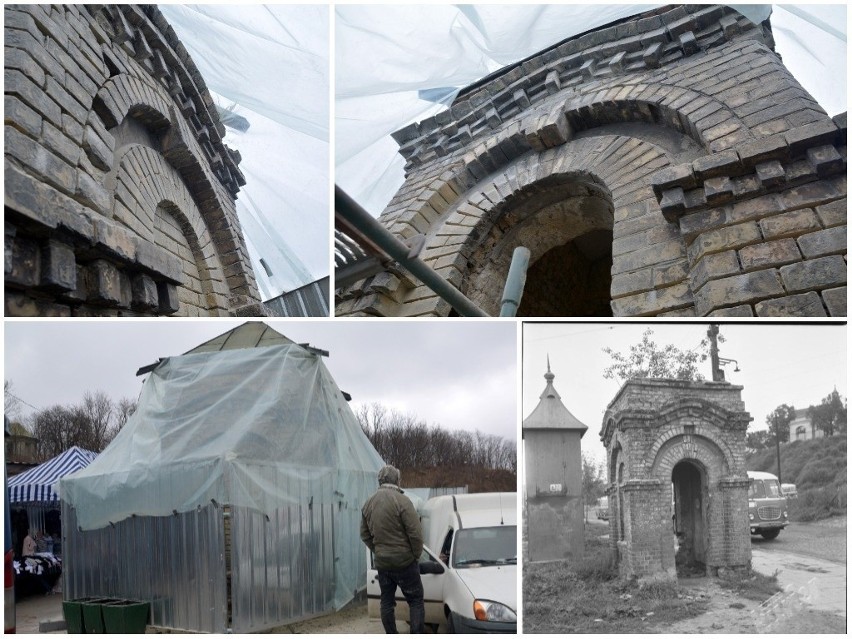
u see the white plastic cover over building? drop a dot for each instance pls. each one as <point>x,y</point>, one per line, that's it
<point>247,427</point>
<point>397,64</point>
<point>270,65</point>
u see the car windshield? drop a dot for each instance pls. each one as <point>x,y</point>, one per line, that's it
<point>761,488</point>
<point>496,545</point>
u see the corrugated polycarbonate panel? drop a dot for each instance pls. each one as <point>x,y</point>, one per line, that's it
<point>177,563</point>
<point>284,564</point>
<point>307,301</point>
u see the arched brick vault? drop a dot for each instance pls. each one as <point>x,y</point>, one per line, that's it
<point>131,210</point>
<point>650,427</point>
<point>152,143</point>
<point>712,97</point>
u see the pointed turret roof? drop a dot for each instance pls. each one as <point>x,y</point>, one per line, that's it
<point>551,414</point>
<point>247,335</point>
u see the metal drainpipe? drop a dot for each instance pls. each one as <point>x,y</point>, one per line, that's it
<point>369,226</point>
<point>514,289</point>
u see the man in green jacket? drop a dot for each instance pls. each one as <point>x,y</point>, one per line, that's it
<point>391,529</point>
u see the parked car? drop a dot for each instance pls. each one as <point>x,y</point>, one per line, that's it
<point>468,566</point>
<point>767,505</point>
<point>603,509</point>
<point>790,491</point>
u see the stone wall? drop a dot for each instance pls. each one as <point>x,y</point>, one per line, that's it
<point>679,131</point>
<point>654,427</point>
<point>120,195</point>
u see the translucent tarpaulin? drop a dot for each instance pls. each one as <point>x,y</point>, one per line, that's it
<point>397,64</point>
<point>270,65</point>
<point>256,429</point>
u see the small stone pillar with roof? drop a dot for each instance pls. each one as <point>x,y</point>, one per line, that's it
<point>554,478</point>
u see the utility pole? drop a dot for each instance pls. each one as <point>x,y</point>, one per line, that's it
<point>713,335</point>
<point>777,445</point>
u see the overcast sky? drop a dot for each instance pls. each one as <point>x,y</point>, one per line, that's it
<point>461,375</point>
<point>795,364</point>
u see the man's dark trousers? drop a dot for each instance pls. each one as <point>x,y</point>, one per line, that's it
<point>408,580</point>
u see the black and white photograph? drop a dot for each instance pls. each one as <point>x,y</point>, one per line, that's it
<point>684,478</point>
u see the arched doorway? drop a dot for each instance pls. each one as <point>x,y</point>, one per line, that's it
<point>566,221</point>
<point>689,505</point>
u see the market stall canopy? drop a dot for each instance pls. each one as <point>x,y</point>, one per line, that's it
<point>39,484</point>
<point>397,64</point>
<point>243,427</point>
<point>267,68</point>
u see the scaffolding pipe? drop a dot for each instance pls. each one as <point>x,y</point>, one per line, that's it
<point>514,289</point>
<point>370,227</point>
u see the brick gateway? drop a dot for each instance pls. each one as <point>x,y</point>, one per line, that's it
<point>120,195</point>
<point>678,489</point>
<point>667,165</point>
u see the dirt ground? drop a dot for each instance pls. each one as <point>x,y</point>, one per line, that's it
<point>729,613</point>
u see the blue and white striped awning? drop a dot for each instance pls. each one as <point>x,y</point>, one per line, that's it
<point>37,484</point>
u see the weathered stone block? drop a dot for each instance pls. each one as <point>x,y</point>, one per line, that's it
<point>789,224</point>
<point>144,293</point>
<point>725,163</point>
<point>103,283</point>
<point>20,305</point>
<point>167,297</point>
<point>824,242</point>
<point>767,254</point>
<point>712,267</point>
<point>743,310</point>
<point>739,289</point>
<point>833,213</point>
<point>835,301</point>
<point>718,190</point>
<point>58,267</point>
<point>823,272</point>
<point>728,237</point>
<point>770,173</point>
<point>806,305</point>
<point>22,262</point>
<point>826,160</point>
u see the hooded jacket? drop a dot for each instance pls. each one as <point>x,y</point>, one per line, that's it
<point>391,529</point>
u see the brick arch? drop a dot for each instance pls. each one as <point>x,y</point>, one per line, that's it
<point>614,456</point>
<point>696,416</point>
<point>143,212</point>
<point>695,114</point>
<point>695,448</point>
<point>177,153</point>
<point>617,167</point>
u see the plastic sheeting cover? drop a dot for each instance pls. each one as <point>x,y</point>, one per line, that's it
<point>270,65</point>
<point>397,64</point>
<point>233,426</point>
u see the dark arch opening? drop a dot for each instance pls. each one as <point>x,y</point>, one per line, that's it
<point>572,279</point>
<point>689,520</point>
<point>566,222</point>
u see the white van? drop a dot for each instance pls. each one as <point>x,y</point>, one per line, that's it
<point>470,564</point>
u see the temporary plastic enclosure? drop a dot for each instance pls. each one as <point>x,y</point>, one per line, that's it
<point>231,498</point>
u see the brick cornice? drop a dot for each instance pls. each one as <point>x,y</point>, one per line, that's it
<point>642,43</point>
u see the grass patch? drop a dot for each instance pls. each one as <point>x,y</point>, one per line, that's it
<point>591,598</point>
<point>754,586</point>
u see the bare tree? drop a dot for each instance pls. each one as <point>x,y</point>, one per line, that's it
<point>11,404</point>
<point>92,424</point>
<point>407,442</point>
